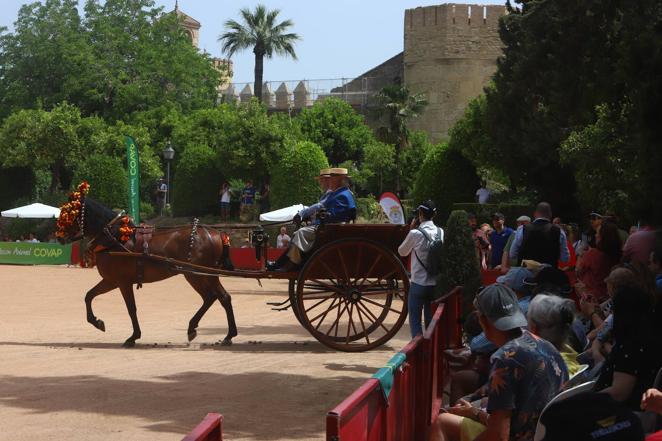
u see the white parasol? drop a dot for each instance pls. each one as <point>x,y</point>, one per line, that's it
<point>33,211</point>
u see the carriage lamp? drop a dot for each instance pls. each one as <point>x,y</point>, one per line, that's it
<point>168,155</point>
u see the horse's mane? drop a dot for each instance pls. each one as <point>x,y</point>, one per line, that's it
<point>97,215</point>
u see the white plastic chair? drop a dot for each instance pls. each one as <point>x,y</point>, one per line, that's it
<point>585,387</point>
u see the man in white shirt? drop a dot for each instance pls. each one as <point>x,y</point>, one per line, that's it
<point>482,194</point>
<point>283,240</point>
<point>422,284</point>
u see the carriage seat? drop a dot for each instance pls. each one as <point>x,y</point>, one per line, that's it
<point>143,235</point>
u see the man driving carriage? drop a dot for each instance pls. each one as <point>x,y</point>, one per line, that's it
<point>337,205</point>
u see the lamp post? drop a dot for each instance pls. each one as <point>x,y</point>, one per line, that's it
<point>168,154</point>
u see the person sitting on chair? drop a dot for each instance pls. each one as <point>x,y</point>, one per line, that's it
<point>338,205</point>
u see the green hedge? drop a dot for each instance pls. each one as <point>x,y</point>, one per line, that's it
<point>367,208</point>
<point>196,182</point>
<point>107,177</point>
<point>293,178</point>
<point>446,177</point>
<point>484,212</point>
<point>459,260</point>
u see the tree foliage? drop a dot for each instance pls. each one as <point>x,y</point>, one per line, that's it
<point>195,186</point>
<point>121,57</point>
<point>574,96</point>
<point>107,177</point>
<point>396,106</point>
<point>259,32</point>
<point>60,144</point>
<point>293,179</point>
<point>379,163</point>
<point>337,128</point>
<point>247,143</point>
<point>446,177</point>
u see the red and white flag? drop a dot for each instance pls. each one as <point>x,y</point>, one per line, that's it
<point>392,208</point>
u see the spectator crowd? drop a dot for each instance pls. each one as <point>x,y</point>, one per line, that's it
<point>566,343</point>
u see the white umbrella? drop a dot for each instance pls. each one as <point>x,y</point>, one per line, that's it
<point>33,211</point>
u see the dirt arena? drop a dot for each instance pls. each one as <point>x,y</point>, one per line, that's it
<point>63,379</point>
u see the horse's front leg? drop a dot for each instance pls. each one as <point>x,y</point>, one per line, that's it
<point>130,301</point>
<point>100,288</point>
<point>226,301</point>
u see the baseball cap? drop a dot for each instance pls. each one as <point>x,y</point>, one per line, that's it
<point>515,278</point>
<point>523,219</point>
<point>428,207</point>
<point>499,304</point>
<point>498,215</point>
<point>590,416</point>
<point>595,214</point>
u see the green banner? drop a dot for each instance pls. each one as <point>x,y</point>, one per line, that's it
<point>27,253</point>
<point>133,161</point>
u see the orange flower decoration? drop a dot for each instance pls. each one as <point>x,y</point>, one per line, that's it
<point>126,230</point>
<point>69,211</point>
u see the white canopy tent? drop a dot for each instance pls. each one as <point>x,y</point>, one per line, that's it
<point>33,211</point>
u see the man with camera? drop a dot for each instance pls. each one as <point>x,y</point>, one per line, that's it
<point>336,205</point>
<point>422,234</point>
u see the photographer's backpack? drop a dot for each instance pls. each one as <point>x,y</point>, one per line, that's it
<point>435,246</point>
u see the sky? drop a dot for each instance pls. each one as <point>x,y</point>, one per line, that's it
<point>340,38</point>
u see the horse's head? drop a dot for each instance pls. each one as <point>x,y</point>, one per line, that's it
<point>70,223</point>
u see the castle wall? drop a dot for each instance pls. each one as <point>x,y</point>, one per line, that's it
<point>450,55</point>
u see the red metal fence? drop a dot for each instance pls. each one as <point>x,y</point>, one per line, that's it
<point>209,429</point>
<point>417,390</point>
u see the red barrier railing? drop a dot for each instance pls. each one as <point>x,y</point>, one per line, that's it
<point>209,429</point>
<point>417,391</point>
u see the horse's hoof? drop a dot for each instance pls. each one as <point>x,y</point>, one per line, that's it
<point>129,344</point>
<point>192,334</point>
<point>101,326</point>
<point>226,342</point>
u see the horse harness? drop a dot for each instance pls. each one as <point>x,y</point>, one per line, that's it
<point>141,239</point>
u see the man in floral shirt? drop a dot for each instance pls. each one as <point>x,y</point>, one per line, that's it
<point>526,373</point>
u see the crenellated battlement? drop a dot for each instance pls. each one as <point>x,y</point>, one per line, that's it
<point>453,17</point>
<point>450,54</point>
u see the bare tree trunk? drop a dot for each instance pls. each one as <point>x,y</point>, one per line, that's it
<point>259,71</point>
<point>55,177</point>
<point>398,147</point>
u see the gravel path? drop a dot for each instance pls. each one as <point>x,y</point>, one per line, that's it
<point>60,378</point>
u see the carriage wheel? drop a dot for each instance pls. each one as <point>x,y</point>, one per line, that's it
<point>352,295</point>
<point>292,290</point>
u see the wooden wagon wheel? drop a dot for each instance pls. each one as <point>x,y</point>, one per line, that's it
<point>351,295</point>
<point>292,290</point>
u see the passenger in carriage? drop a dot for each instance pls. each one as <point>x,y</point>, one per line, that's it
<point>338,205</point>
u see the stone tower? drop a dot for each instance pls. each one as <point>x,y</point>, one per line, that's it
<point>450,54</point>
<point>191,26</point>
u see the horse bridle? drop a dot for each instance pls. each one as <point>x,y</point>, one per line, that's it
<point>106,228</point>
<point>81,224</point>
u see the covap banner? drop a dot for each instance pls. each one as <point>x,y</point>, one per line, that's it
<point>24,253</point>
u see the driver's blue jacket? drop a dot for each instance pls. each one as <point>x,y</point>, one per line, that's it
<point>339,205</point>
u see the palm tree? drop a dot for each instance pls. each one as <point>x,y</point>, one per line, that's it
<point>396,106</point>
<point>259,31</point>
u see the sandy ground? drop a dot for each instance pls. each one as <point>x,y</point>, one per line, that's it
<point>60,378</point>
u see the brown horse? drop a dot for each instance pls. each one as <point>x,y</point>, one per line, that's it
<point>198,245</point>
